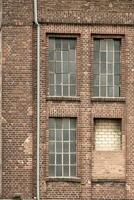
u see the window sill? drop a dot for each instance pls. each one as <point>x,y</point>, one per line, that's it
<point>70,179</point>
<point>108,99</point>
<point>108,180</point>
<point>52,98</point>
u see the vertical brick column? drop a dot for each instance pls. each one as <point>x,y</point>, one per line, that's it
<point>85,110</point>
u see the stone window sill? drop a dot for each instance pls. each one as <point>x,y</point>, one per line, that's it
<point>52,98</point>
<point>69,179</point>
<point>108,99</point>
<point>108,180</point>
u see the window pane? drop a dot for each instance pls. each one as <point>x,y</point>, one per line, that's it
<point>110,44</point>
<point>72,135</point>
<point>72,79</point>
<point>110,57</point>
<point>51,146</point>
<point>65,147</point>
<point>96,91</point>
<point>110,91</point>
<point>65,90</point>
<point>51,43</point>
<point>58,79</point>
<point>58,90</point>
<point>103,45</point>
<point>59,159</point>
<point>65,55</point>
<point>117,45</point>
<point>65,159</point>
<point>51,159</point>
<point>96,68</point>
<point>116,68</point>
<point>72,90</point>
<point>51,134</point>
<point>58,171</point>
<point>97,45</point>
<point>65,44</point>
<point>65,135</point>
<point>58,135</point>
<point>51,66</point>
<point>102,80</point>
<point>51,170</point>
<point>58,67</point>
<point>72,147</point>
<point>52,124</point>
<point>51,78</point>
<point>117,57</point>
<point>96,57</point>
<point>58,55</point>
<point>96,79</point>
<point>51,55</point>
<point>65,123</point>
<point>110,68</point>
<point>103,68</point>
<point>103,57</point>
<point>73,158</point>
<point>65,67</point>
<point>59,123</point>
<point>72,123</point>
<point>65,79</point>
<point>73,171</point>
<point>51,90</point>
<point>72,44</point>
<point>58,44</point>
<point>58,146</point>
<point>110,80</point>
<point>72,67</point>
<point>103,91</point>
<point>66,171</point>
<point>72,55</point>
<point>116,91</point>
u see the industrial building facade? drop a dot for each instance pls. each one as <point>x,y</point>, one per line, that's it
<point>75,140</point>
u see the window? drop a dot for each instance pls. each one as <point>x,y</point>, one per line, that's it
<point>106,67</point>
<point>107,134</point>
<point>62,147</point>
<point>62,67</point>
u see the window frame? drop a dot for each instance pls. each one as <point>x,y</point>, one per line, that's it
<point>122,67</point>
<point>69,152</point>
<point>64,36</point>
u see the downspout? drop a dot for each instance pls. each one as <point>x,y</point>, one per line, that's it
<point>38,99</point>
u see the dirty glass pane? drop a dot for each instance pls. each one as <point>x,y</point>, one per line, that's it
<point>96,91</point>
<point>103,57</point>
<point>59,159</point>
<point>66,147</point>
<point>117,44</point>
<point>51,66</point>
<point>73,171</point>
<point>51,78</point>
<point>103,91</point>
<point>51,43</point>
<point>110,80</point>
<point>65,158</point>
<point>59,123</point>
<point>58,90</point>
<point>72,90</point>
<point>51,55</point>
<point>72,147</point>
<point>72,67</point>
<point>103,68</point>
<point>58,79</point>
<point>65,55</point>
<point>72,123</point>
<point>96,79</point>
<point>103,45</point>
<point>72,135</point>
<point>58,67</point>
<point>65,135</point>
<point>73,158</point>
<point>66,171</point>
<point>72,43</point>
<point>58,170</point>
<point>65,67</point>
<point>58,135</point>
<point>65,79</point>
<point>51,134</point>
<point>65,123</point>
<point>65,90</point>
<point>51,146</point>
<point>52,123</point>
<point>58,146</point>
<point>110,91</point>
<point>72,79</point>
<point>51,159</point>
<point>110,44</point>
<point>64,44</point>
<point>102,80</point>
<point>96,45</point>
<point>96,68</point>
<point>58,44</point>
<point>51,170</point>
<point>51,90</point>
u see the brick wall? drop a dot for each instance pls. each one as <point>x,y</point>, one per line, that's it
<point>100,175</point>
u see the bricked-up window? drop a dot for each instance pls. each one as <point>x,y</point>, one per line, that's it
<point>62,147</point>
<point>106,67</point>
<point>107,134</point>
<point>62,67</point>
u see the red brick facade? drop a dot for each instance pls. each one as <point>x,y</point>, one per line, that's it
<point>107,175</point>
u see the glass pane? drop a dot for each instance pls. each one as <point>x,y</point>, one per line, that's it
<point>58,67</point>
<point>51,43</point>
<point>110,44</point>
<point>110,68</point>
<point>51,158</point>
<point>58,146</point>
<point>103,91</point>
<point>103,68</point>
<point>103,45</point>
<point>110,80</point>
<point>58,79</point>
<point>66,171</point>
<point>65,159</point>
<point>96,45</point>
<point>58,135</point>
<point>110,57</point>
<point>57,44</point>
<point>51,170</point>
<point>73,158</point>
<point>116,68</point>
<point>96,79</point>
<point>72,90</point>
<point>72,147</point>
<point>72,123</point>
<point>65,135</point>
<point>65,123</point>
<point>58,90</point>
<point>52,124</point>
<point>72,79</point>
<point>96,91</point>
<point>59,123</point>
<point>51,146</point>
<point>51,66</point>
<point>72,55</point>
<point>51,134</point>
<point>116,91</point>
<point>110,91</point>
<point>102,80</point>
<point>65,79</point>
<point>51,78</point>
<point>73,171</point>
<point>96,57</point>
<point>65,90</point>
<point>72,135</point>
<point>117,57</point>
<point>116,80</point>
<point>72,67</point>
<point>117,45</point>
<point>51,55</point>
<point>58,171</point>
<point>65,55</point>
<point>96,68</point>
<point>65,44</point>
<point>58,55</point>
<point>65,67</point>
<point>103,57</point>
<point>72,43</point>
<point>65,147</point>
<point>51,90</point>
<point>59,159</point>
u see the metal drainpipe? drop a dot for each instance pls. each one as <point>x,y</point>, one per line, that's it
<point>38,98</point>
